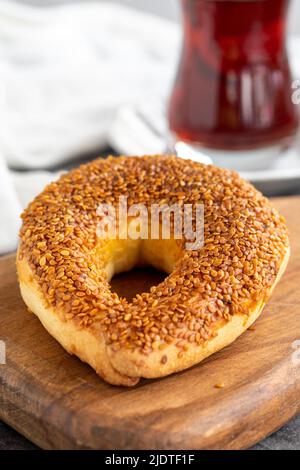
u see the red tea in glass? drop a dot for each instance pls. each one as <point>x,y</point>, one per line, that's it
<point>233,86</point>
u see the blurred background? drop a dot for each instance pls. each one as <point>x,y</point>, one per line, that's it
<point>168,8</point>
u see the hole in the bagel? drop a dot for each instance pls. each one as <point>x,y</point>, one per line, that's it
<point>138,280</point>
<point>137,265</point>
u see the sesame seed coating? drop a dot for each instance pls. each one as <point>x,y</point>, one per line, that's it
<point>244,243</point>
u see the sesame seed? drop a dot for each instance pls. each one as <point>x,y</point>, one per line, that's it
<point>220,385</point>
<point>164,359</point>
<point>65,252</point>
<point>42,261</point>
<point>80,293</point>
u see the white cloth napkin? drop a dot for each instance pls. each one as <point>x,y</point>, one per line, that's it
<point>64,73</point>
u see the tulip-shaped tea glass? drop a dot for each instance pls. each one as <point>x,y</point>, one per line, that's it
<point>232,97</point>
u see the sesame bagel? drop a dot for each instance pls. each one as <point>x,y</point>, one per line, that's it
<point>211,294</point>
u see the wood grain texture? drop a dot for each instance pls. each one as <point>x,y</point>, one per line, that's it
<point>58,402</point>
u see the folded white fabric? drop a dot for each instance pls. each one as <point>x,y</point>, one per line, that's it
<point>10,208</point>
<point>64,72</point>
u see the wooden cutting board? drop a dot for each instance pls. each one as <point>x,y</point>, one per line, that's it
<point>58,402</point>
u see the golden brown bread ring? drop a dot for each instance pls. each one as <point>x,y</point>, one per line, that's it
<point>209,298</point>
